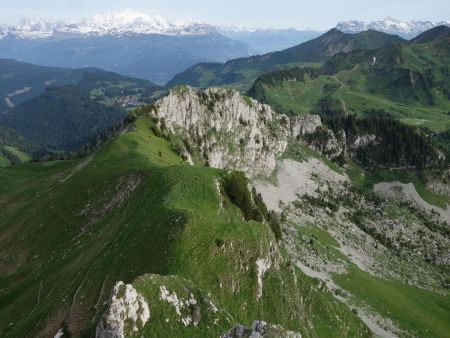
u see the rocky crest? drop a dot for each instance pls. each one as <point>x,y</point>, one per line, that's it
<point>260,329</point>
<point>230,131</point>
<point>126,315</point>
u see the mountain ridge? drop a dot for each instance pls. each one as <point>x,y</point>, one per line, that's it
<point>405,29</point>
<point>315,50</point>
<point>125,22</point>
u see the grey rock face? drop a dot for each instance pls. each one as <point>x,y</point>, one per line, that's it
<point>362,141</point>
<point>228,130</point>
<point>126,315</point>
<point>304,125</point>
<point>260,329</point>
<point>327,142</point>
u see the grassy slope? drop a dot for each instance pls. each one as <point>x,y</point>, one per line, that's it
<point>59,265</point>
<point>239,73</point>
<point>23,157</point>
<point>361,86</point>
<point>424,312</point>
<point>4,162</point>
<point>302,97</point>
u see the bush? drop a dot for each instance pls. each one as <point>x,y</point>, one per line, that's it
<point>257,198</point>
<point>253,207</point>
<point>274,223</point>
<point>131,117</point>
<point>157,131</point>
<point>237,190</point>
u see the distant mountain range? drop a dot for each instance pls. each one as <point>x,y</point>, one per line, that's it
<point>405,29</point>
<point>260,40</point>
<point>154,48</point>
<point>130,22</point>
<point>244,71</point>
<point>409,81</point>
<point>125,22</point>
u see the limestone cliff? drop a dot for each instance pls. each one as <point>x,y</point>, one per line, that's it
<point>228,130</point>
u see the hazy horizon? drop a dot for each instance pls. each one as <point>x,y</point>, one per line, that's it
<point>318,14</point>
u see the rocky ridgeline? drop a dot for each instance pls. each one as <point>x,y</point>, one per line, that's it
<point>229,131</point>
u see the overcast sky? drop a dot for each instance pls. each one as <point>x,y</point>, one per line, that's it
<point>252,13</point>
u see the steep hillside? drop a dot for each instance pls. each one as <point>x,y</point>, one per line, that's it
<point>15,149</point>
<point>133,209</point>
<point>434,34</point>
<point>20,81</point>
<point>63,118</point>
<point>54,109</point>
<point>381,254</point>
<point>222,129</point>
<point>134,241</point>
<point>243,71</point>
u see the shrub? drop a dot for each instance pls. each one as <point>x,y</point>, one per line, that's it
<point>237,190</point>
<point>252,207</point>
<point>157,131</point>
<point>257,198</point>
<point>274,223</point>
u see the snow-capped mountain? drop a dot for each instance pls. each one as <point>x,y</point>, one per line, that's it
<point>390,25</point>
<point>130,22</point>
<point>126,22</point>
<point>127,42</point>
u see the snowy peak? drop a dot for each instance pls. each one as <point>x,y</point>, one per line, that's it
<point>390,25</point>
<point>134,22</point>
<point>126,22</point>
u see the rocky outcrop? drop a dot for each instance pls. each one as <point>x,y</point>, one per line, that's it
<point>229,131</point>
<point>178,308</point>
<point>302,125</point>
<point>326,142</point>
<point>223,129</point>
<point>260,329</point>
<point>126,315</point>
<point>263,264</point>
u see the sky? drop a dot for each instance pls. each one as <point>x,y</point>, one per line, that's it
<point>250,13</point>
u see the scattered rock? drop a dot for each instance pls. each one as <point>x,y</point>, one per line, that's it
<point>260,329</point>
